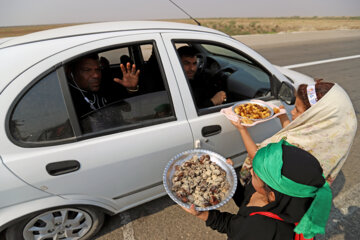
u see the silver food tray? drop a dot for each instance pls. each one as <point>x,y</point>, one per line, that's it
<point>259,103</point>
<point>187,155</point>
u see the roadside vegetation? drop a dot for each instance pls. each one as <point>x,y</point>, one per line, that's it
<point>242,26</point>
<point>235,26</point>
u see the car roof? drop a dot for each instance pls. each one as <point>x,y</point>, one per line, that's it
<point>35,47</point>
<point>103,27</point>
<point>2,40</point>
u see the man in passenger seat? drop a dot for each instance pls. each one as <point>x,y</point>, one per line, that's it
<point>204,93</point>
<point>86,89</point>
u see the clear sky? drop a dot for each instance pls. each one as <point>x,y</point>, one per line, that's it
<point>39,12</point>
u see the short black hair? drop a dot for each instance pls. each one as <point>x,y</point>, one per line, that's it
<point>75,63</point>
<point>72,66</point>
<point>187,51</point>
<point>93,56</point>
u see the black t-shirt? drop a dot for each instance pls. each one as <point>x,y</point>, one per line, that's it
<point>245,227</point>
<point>203,90</point>
<point>86,102</point>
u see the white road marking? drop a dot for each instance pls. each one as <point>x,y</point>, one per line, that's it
<point>321,62</point>
<point>128,231</point>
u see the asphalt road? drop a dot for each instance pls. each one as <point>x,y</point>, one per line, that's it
<point>162,219</point>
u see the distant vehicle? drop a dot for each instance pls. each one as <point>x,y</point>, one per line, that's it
<point>59,173</point>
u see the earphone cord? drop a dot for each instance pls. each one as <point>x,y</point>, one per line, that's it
<point>81,91</point>
<point>96,98</point>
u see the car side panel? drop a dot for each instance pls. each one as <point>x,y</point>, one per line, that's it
<point>121,167</point>
<point>14,191</point>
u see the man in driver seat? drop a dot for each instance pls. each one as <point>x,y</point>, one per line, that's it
<point>205,94</point>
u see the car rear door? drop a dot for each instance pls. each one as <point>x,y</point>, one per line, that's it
<point>121,168</point>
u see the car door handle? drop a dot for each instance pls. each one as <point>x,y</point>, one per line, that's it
<point>210,130</point>
<point>63,167</point>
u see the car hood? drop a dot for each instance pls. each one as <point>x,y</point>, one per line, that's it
<point>295,77</point>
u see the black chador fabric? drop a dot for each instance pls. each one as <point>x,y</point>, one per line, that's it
<point>291,209</point>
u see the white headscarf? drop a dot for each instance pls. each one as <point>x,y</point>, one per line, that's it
<point>326,130</point>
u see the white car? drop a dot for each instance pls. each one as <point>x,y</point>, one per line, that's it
<point>60,172</point>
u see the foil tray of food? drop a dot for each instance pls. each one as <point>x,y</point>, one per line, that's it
<point>252,111</point>
<point>200,177</point>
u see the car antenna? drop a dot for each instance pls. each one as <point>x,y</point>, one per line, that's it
<point>185,12</point>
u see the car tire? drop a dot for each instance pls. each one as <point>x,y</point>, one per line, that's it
<point>65,222</point>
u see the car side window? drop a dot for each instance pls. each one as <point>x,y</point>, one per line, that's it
<point>219,75</point>
<point>133,100</point>
<point>40,116</point>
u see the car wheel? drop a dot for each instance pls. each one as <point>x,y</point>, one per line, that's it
<point>70,223</point>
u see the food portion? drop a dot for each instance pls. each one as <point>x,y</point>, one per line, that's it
<point>200,181</point>
<point>252,111</point>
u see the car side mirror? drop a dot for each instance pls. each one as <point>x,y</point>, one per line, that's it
<point>287,93</point>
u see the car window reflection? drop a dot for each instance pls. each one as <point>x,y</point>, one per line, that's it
<point>41,115</point>
<point>129,91</point>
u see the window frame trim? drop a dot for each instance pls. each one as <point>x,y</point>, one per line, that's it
<point>83,136</point>
<point>68,100</point>
<point>213,109</point>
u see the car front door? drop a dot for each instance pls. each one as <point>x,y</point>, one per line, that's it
<point>248,76</point>
<point>120,165</point>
